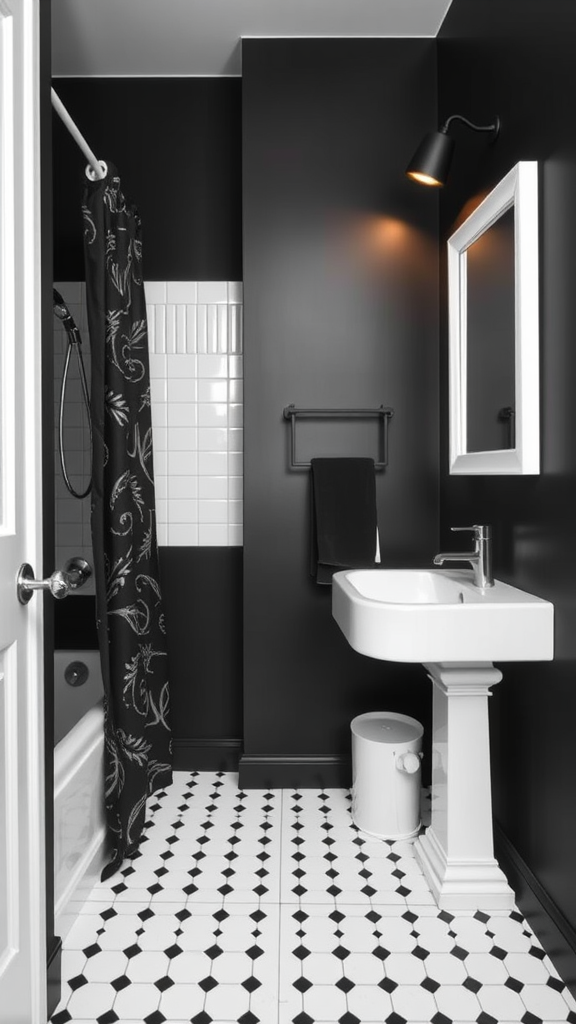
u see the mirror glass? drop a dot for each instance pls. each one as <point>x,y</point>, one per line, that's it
<point>493,331</point>
<point>490,338</point>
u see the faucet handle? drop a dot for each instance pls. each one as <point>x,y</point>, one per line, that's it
<point>481,532</point>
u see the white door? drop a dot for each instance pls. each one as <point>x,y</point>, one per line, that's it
<point>22,853</point>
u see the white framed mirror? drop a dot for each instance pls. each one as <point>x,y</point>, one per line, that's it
<point>494,391</point>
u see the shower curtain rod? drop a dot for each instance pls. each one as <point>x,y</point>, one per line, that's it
<point>97,168</point>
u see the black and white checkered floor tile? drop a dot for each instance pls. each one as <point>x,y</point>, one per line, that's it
<point>271,907</point>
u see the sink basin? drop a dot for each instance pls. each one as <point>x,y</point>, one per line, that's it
<point>438,615</point>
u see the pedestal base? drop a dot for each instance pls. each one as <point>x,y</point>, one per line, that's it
<point>462,885</point>
<point>457,851</point>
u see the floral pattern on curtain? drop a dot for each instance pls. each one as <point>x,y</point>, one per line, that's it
<point>130,619</point>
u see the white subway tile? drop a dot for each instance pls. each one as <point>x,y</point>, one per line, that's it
<point>212,414</point>
<point>235,512</point>
<point>235,439</point>
<point>182,439</point>
<point>202,329</point>
<point>160,463</point>
<point>159,412</point>
<point>171,330</point>
<point>183,535</point>
<point>183,486</point>
<point>181,346</point>
<point>236,391</point>
<point>182,366</point>
<point>68,510</point>
<point>181,291</point>
<point>234,315</point>
<point>151,327</point>
<point>213,487</point>
<point>212,330</point>
<point>182,510</point>
<point>160,439</point>
<point>161,489</point>
<point>162,534</point>
<point>213,535</point>
<point>235,488</point>
<point>235,535</point>
<point>222,315</point>
<point>213,366</point>
<point>191,343</point>
<point>73,440</point>
<point>159,328</point>
<point>212,390</point>
<point>211,511</point>
<point>182,389</point>
<point>69,534</point>
<point>213,463</point>
<point>212,291</point>
<point>158,390</point>
<point>212,439</point>
<point>182,414</point>
<point>161,510</point>
<point>157,366</point>
<point>235,368</point>
<point>155,291</point>
<point>235,291</point>
<point>235,464</point>
<point>182,463</point>
<point>71,291</point>
<point>74,414</point>
<point>235,414</point>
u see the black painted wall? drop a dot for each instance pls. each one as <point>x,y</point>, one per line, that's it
<point>340,310</point>
<point>176,143</point>
<point>523,55</point>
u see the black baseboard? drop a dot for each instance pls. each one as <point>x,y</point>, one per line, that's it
<point>54,974</point>
<point>556,934</point>
<point>293,772</point>
<point>212,755</point>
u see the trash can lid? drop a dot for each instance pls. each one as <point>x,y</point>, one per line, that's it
<point>386,727</point>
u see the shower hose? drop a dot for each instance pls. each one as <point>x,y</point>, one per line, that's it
<point>74,344</point>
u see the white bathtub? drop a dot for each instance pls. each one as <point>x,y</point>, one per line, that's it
<point>79,824</point>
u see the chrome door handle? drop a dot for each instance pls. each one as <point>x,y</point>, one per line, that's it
<point>62,582</point>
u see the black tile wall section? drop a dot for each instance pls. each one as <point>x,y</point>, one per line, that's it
<point>340,310</point>
<point>523,55</point>
<point>176,145</point>
<point>202,591</point>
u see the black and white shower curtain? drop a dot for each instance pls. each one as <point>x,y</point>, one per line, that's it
<point>130,619</point>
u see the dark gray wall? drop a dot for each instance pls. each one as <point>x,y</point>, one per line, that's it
<point>340,310</point>
<point>176,144</point>
<point>523,55</point>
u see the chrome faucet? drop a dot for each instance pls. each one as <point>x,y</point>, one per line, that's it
<point>480,559</point>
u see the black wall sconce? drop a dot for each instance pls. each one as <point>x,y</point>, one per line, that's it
<point>431,161</point>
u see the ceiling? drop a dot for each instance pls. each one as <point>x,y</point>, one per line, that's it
<point>202,37</point>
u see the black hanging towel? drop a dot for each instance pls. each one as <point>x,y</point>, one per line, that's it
<point>130,619</point>
<point>344,519</point>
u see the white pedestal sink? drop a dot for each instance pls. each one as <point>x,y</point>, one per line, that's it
<point>439,618</point>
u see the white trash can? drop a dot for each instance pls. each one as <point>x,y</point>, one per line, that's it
<point>386,774</point>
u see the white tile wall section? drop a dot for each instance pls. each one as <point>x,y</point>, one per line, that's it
<point>195,342</point>
<point>195,338</point>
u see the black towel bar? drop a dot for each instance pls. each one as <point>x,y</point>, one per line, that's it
<point>291,413</point>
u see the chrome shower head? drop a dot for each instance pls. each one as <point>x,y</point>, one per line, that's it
<point>60,308</point>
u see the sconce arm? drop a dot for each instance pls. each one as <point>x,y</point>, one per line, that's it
<point>495,128</point>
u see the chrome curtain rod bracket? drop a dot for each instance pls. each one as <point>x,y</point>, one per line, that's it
<point>291,413</point>
<point>96,169</point>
